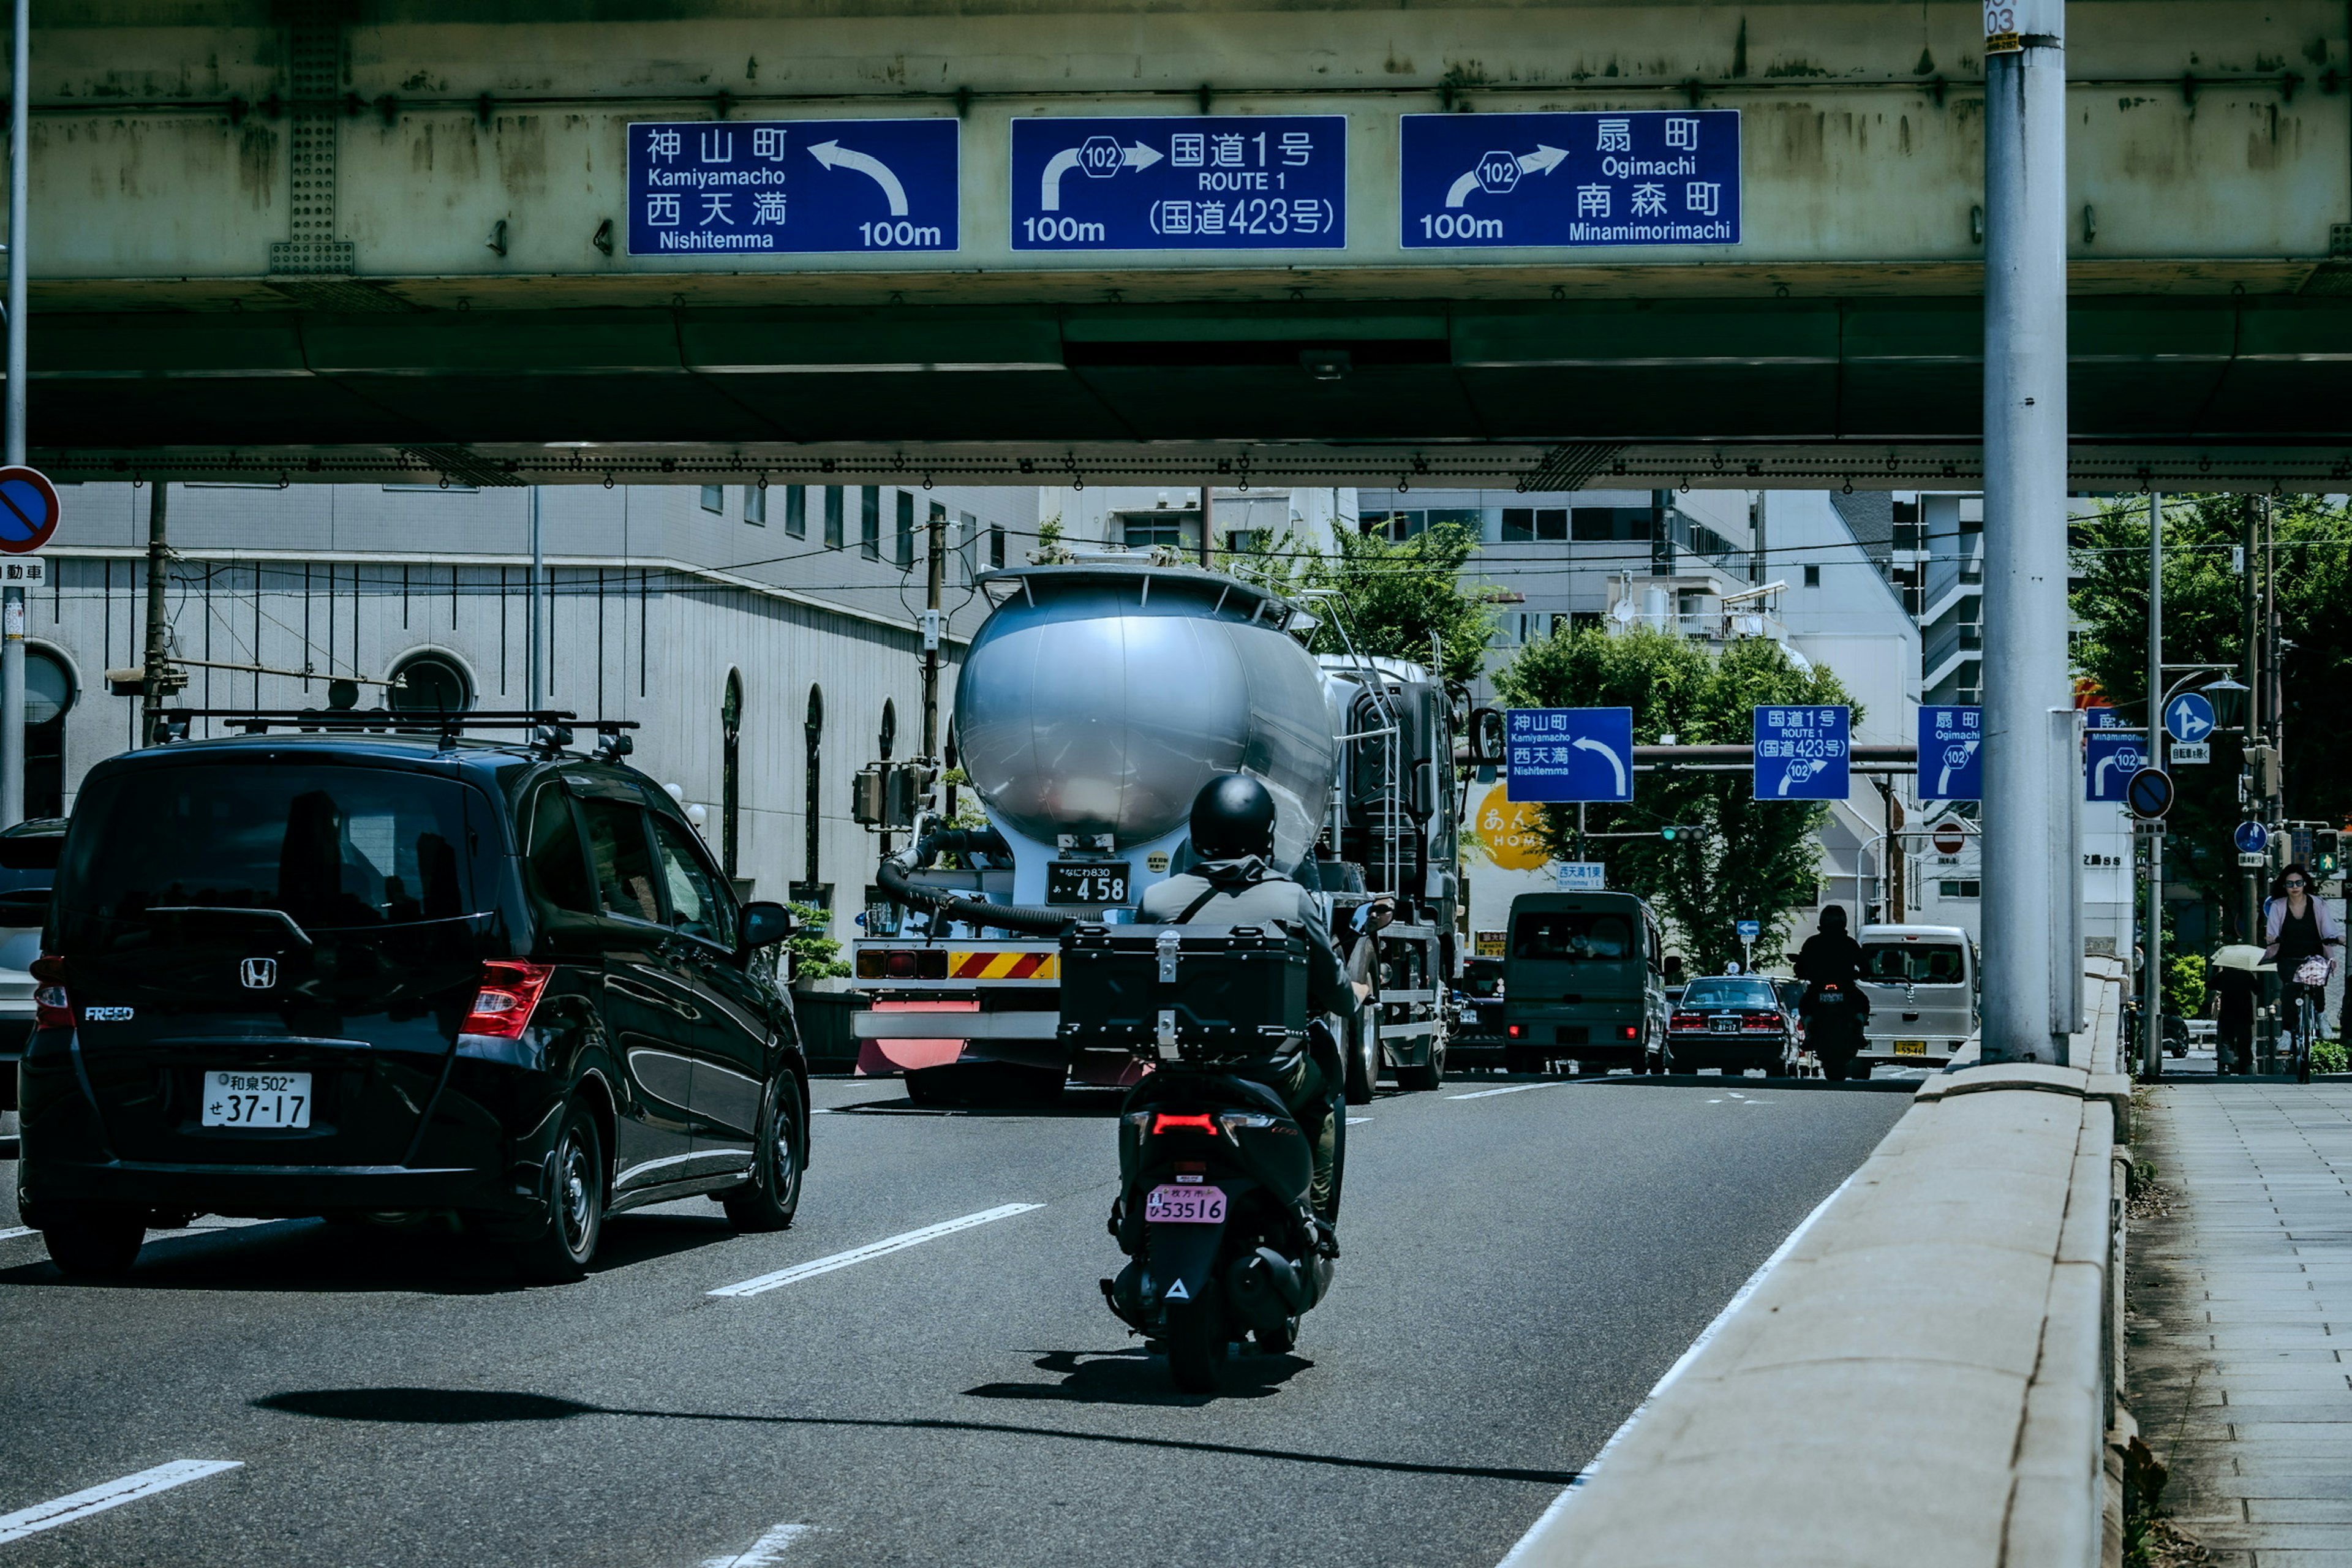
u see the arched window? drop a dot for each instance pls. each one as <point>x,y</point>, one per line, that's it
<point>889,736</point>
<point>429,683</point>
<point>812,803</point>
<point>730,778</point>
<point>49,696</point>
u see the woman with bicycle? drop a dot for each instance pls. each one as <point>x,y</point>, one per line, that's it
<point>2300,931</point>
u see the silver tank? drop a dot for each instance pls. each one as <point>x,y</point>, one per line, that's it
<point>1100,697</point>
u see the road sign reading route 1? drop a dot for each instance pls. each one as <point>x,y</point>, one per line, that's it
<point>28,509</point>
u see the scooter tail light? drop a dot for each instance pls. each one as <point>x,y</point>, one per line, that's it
<point>1162,1121</point>
<point>502,1006</point>
<point>1233,1119</point>
<point>52,1008</point>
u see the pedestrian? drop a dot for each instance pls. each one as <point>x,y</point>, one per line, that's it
<point>2300,930</point>
<point>2237,989</point>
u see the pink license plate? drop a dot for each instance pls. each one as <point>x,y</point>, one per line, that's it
<point>1173,1205</point>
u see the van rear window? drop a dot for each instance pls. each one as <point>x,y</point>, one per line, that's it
<point>1919,963</point>
<point>334,847</point>
<point>1572,936</point>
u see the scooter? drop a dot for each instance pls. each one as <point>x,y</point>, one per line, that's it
<point>1215,1218</point>
<point>1834,1028</point>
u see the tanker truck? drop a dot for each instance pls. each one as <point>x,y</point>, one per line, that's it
<point>1095,702</point>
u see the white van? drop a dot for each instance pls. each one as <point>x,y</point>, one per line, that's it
<point>1922,985</point>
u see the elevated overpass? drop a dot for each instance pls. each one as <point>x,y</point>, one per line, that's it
<point>324,240</point>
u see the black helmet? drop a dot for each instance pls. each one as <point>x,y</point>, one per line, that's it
<point>1232,817</point>
<point>1833,917</point>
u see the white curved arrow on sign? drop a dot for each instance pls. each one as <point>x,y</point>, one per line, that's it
<point>1616,763</point>
<point>1049,193</point>
<point>833,155</point>
<point>1542,160</point>
<point>1954,757</point>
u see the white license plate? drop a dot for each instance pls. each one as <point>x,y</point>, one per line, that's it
<point>256,1099</point>
<point>1173,1205</point>
<point>1910,1048</point>
<point>1725,1026</point>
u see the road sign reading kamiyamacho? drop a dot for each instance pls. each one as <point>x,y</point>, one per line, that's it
<point>748,187</point>
<point>1951,753</point>
<point>1563,755</point>
<point>1189,182</point>
<point>1647,176</point>
<point>1802,752</point>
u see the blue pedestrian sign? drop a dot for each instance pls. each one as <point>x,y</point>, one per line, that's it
<point>752,187</point>
<point>1801,753</point>
<point>1560,754</point>
<point>1951,753</point>
<point>1191,181</point>
<point>1644,176</point>
<point>2251,838</point>
<point>2109,760</point>
<point>1749,930</point>
<point>2189,718</point>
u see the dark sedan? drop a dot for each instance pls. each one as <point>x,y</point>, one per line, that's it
<point>1734,1022</point>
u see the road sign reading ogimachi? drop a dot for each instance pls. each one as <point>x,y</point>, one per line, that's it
<point>28,509</point>
<point>1644,176</point>
<point>1951,753</point>
<point>744,188</point>
<point>1185,182</point>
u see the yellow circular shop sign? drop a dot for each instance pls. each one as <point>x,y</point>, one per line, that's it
<point>1512,832</point>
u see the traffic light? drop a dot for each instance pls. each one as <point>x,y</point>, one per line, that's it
<point>2327,855</point>
<point>1675,830</point>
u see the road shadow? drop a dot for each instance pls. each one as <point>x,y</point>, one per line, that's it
<point>313,1257</point>
<point>1764,1085</point>
<point>1134,1375</point>
<point>480,1406</point>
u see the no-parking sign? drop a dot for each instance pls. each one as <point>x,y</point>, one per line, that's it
<point>28,511</point>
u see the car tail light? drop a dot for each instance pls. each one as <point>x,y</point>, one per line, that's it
<point>1687,1021</point>
<point>509,990</point>
<point>52,1009</point>
<point>1760,1023</point>
<point>1629,1032</point>
<point>1515,1031</point>
<point>902,963</point>
<point>1163,1122</point>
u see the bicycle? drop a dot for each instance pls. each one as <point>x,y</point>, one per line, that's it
<point>2306,995</point>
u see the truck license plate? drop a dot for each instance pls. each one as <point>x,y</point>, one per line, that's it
<point>1910,1048</point>
<point>1085,882</point>
<point>1169,1203</point>
<point>256,1099</point>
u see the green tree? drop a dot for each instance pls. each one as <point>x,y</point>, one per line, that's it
<point>1392,595</point>
<point>1748,859</point>
<point>2204,622</point>
<point>816,955</point>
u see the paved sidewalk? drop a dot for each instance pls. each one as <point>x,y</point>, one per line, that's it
<point>2239,1366</point>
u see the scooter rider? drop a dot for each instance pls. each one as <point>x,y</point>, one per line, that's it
<point>1234,882</point>
<point>1832,955</point>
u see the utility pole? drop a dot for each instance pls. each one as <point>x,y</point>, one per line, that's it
<point>533,681</point>
<point>1895,897</point>
<point>157,676</point>
<point>2248,908</point>
<point>2152,943</point>
<point>12,600</point>
<point>2034,994</point>
<point>935,587</point>
<point>1208,523</point>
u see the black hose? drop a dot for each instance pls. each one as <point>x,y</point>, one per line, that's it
<point>892,877</point>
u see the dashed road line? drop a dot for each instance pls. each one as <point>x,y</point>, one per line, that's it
<point>764,1552</point>
<point>888,1244</point>
<point>1514,1088</point>
<point>14,1232</point>
<point>48,1515</point>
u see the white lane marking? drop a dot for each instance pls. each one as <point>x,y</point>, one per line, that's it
<point>14,1233</point>
<point>1524,1552</point>
<point>1358,1120</point>
<point>1513,1088</point>
<point>799,1272</point>
<point>764,1552</point>
<point>820,1111</point>
<point>48,1515</point>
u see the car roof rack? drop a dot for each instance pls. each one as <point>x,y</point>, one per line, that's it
<point>549,728</point>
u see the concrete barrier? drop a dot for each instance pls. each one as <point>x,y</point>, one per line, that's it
<point>1927,1374</point>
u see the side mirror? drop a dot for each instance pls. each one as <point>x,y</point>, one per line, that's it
<point>765,923</point>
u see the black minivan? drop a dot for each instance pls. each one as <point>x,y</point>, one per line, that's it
<point>352,974</point>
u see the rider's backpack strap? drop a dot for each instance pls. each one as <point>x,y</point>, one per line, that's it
<point>1193,908</point>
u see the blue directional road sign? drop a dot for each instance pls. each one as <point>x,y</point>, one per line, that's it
<point>2189,717</point>
<point>1645,176</point>
<point>1569,753</point>
<point>2251,838</point>
<point>1951,753</point>
<point>748,187</point>
<point>2108,762</point>
<point>1749,930</point>
<point>1193,182</point>
<point>1801,753</point>
<point>2102,718</point>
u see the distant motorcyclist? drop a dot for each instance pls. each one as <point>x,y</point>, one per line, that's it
<point>1234,882</point>
<point>1831,956</point>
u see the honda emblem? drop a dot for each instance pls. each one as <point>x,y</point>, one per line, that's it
<point>259,973</point>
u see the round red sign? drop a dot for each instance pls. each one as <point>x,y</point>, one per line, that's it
<point>28,511</point>
<point>1949,839</point>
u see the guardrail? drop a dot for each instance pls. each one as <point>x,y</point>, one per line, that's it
<point>1926,1374</point>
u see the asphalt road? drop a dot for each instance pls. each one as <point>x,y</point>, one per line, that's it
<point>1519,1269</point>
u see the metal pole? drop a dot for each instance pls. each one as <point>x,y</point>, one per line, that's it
<point>2032,989</point>
<point>2249,907</point>
<point>1208,508</point>
<point>931,632</point>
<point>12,602</point>
<point>150,698</point>
<point>2152,943</point>
<point>532,684</point>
